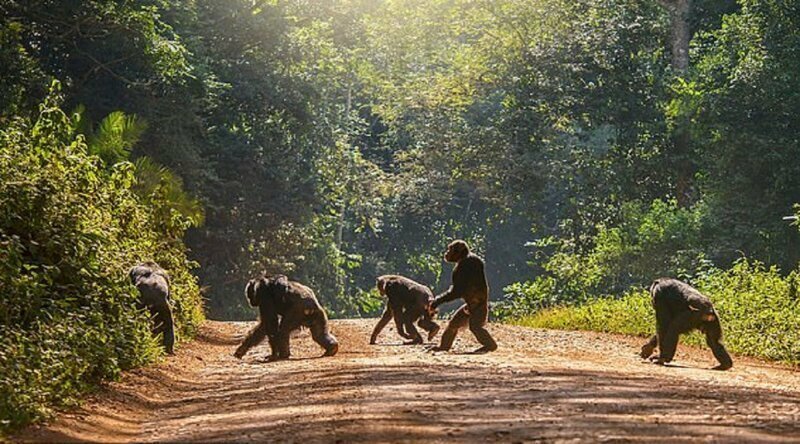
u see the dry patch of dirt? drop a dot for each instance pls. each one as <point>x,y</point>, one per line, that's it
<point>541,385</point>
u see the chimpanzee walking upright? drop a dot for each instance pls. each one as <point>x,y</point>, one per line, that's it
<point>154,290</point>
<point>469,284</point>
<point>681,309</point>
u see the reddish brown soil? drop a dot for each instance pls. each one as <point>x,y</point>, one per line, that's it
<point>540,386</point>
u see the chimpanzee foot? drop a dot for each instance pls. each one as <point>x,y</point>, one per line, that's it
<point>416,341</point>
<point>722,367</point>
<point>436,348</point>
<point>483,350</point>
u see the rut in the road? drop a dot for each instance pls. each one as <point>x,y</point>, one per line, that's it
<point>540,385</point>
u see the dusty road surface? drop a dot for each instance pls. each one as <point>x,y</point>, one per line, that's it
<point>541,386</point>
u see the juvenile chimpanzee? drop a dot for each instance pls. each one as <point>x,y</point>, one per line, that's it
<point>681,309</point>
<point>154,290</point>
<point>407,302</point>
<point>284,306</point>
<point>469,284</point>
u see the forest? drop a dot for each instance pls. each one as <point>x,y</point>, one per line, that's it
<point>581,147</point>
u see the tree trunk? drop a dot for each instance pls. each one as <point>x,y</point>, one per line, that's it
<point>681,35</point>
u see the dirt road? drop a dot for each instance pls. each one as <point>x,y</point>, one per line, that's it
<point>540,386</point>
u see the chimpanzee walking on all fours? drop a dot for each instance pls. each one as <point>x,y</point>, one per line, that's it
<point>681,309</point>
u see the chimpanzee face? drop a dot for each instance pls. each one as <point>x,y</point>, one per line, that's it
<point>456,251</point>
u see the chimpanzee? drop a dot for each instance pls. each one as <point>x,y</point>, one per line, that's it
<point>681,309</point>
<point>469,284</point>
<point>284,306</point>
<point>154,291</point>
<point>407,302</point>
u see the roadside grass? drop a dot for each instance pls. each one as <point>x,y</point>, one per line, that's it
<point>759,309</point>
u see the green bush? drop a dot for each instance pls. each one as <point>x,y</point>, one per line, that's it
<point>659,239</point>
<point>759,309</point>
<point>70,228</point>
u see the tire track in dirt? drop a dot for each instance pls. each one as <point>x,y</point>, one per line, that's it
<point>541,385</point>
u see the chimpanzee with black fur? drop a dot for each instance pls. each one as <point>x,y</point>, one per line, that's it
<point>469,284</point>
<point>407,302</point>
<point>681,309</point>
<point>284,306</point>
<point>154,290</point>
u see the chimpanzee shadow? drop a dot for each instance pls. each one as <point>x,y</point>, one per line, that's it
<point>672,365</point>
<point>267,360</point>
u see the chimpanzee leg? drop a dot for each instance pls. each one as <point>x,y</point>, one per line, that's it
<point>289,323</point>
<point>668,342</point>
<point>459,321</point>
<point>399,322</point>
<point>427,324</point>
<point>165,326</point>
<point>478,318</point>
<point>273,347</point>
<point>387,316</point>
<point>649,347</point>
<point>713,336</point>
<point>322,335</point>
<point>409,317</point>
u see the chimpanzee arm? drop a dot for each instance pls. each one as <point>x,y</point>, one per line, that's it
<point>668,341</point>
<point>461,276</point>
<point>713,333</point>
<point>254,337</point>
<point>387,316</point>
<point>467,274</point>
<point>649,347</point>
<point>450,295</point>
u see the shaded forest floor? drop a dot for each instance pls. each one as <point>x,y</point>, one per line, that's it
<point>541,385</point>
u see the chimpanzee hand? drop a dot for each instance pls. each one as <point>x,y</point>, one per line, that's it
<point>647,351</point>
<point>658,360</point>
<point>239,353</point>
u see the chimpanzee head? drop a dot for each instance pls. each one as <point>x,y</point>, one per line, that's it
<point>381,284</point>
<point>457,250</point>
<point>140,271</point>
<point>265,287</point>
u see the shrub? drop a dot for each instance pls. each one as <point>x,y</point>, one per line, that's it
<point>656,240</point>
<point>69,231</point>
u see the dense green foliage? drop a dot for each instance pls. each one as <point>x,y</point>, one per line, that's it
<point>337,140</point>
<point>758,308</point>
<point>321,137</point>
<point>70,228</point>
